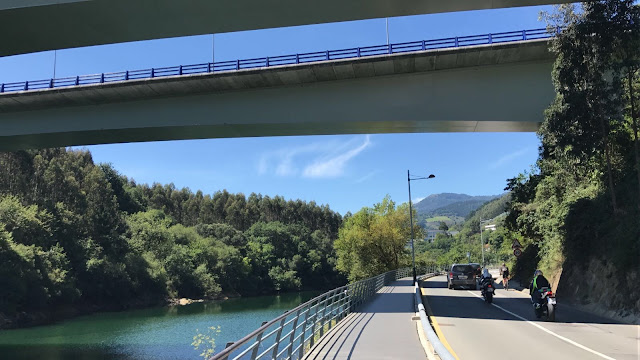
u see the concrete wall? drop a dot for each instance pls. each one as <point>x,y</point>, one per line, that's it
<point>38,25</point>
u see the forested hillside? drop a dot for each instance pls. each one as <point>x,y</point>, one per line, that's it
<point>447,249</point>
<point>74,234</point>
<point>579,215</point>
<point>454,207</point>
<point>461,208</point>
<point>437,201</point>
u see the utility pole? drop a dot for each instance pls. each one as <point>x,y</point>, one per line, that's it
<point>481,243</point>
<point>387,23</point>
<point>490,227</point>
<point>55,58</point>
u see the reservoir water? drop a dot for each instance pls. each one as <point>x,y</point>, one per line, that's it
<point>162,333</point>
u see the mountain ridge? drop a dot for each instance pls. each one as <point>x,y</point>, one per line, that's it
<point>451,204</point>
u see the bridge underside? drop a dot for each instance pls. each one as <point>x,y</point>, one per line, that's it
<point>476,89</point>
<point>38,25</point>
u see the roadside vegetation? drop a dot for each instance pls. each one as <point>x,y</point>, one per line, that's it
<point>448,249</point>
<point>579,211</point>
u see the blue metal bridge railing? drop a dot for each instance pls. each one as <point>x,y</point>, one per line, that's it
<point>270,61</point>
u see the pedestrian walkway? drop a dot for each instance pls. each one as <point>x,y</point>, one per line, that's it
<point>383,329</point>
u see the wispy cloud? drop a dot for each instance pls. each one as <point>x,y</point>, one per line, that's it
<point>333,164</point>
<point>366,177</point>
<point>315,160</point>
<point>417,200</point>
<point>508,158</point>
<point>282,161</point>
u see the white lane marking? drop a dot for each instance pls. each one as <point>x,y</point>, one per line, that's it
<point>547,330</point>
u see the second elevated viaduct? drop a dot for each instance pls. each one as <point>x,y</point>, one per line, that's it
<point>38,25</point>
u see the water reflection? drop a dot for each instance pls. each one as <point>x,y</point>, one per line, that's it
<point>157,333</point>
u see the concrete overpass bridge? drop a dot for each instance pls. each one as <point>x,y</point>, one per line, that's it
<point>75,23</point>
<point>490,82</point>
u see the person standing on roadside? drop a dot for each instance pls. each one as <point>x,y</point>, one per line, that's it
<point>504,272</point>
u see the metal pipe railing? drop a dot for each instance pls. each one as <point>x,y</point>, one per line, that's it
<point>294,333</point>
<point>437,345</point>
<point>281,60</point>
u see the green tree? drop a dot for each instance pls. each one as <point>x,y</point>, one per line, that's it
<point>585,123</point>
<point>374,240</point>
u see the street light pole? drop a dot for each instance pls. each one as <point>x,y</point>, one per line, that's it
<point>413,250</point>
<point>481,240</point>
<point>481,243</point>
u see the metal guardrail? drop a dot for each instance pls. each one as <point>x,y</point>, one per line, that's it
<point>270,61</point>
<point>294,333</point>
<point>437,345</point>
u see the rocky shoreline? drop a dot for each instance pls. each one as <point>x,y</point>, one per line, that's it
<point>184,301</point>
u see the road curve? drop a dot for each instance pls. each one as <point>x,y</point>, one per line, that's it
<point>510,330</point>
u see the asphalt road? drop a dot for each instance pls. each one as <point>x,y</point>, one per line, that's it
<point>510,330</point>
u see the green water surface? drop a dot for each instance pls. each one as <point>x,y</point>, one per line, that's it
<point>156,333</point>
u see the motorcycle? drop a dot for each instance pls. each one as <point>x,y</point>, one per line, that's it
<point>487,289</point>
<point>545,308</point>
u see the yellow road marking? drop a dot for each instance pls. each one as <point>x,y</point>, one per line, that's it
<point>436,327</point>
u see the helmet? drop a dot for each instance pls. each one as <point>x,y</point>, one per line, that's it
<point>537,272</point>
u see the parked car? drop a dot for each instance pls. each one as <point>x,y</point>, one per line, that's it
<point>461,275</point>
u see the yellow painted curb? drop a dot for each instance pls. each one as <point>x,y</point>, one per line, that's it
<point>436,327</point>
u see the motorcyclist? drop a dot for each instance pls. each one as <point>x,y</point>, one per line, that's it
<point>486,278</point>
<point>538,282</point>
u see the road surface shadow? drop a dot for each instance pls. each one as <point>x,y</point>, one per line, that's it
<point>462,304</point>
<point>397,297</point>
<point>390,303</point>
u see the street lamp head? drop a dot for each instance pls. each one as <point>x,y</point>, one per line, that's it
<point>414,177</point>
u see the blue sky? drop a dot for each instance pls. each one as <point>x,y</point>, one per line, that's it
<point>345,172</point>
